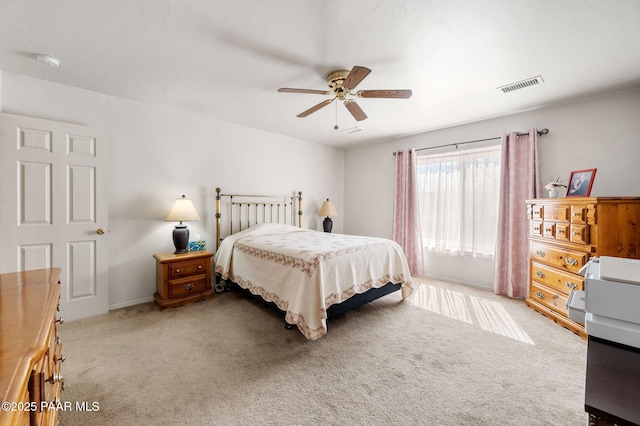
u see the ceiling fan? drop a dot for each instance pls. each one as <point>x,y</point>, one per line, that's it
<point>342,83</point>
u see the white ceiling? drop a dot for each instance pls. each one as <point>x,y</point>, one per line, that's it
<point>226,59</point>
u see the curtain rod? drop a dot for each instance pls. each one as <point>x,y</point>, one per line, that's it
<point>540,133</point>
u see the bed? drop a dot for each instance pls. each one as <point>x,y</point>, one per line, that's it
<point>310,275</point>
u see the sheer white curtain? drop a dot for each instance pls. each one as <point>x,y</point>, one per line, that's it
<point>459,201</point>
<point>520,181</point>
<point>406,216</point>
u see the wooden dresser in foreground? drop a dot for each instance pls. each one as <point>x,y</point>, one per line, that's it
<point>30,347</point>
<point>564,233</point>
<point>182,278</point>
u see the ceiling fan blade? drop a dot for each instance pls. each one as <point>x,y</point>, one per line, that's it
<point>355,110</point>
<point>312,91</point>
<point>315,108</point>
<point>400,94</point>
<point>356,75</point>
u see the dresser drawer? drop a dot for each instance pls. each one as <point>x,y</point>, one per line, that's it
<point>550,298</point>
<point>187,268</point>
<point>562,231</point>
<point>188,285</point>
<point>549,229</point>
<point>561,281</point>
<point>568,260</point>
<point>558,213</point>
<point>54,351</point>
<point>579,234</point>
<point>537,211</point>
<point>535,228</point>
<point>578,214</point>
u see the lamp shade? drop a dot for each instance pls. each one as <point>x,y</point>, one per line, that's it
<point>183,209</point>
<point>328,209</point>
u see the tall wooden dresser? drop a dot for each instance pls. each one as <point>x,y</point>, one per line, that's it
<point>564,233</point>
<point>30,358</point>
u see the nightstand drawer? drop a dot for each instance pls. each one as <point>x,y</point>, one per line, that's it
<point>187,268</point>
<point>189,285</point>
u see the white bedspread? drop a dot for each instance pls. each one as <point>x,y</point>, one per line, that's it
<point>304,272</point>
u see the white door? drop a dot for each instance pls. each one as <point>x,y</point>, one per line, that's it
<point>53,207</point>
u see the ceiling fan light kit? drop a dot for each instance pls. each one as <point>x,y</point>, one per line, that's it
<point>342,83</point>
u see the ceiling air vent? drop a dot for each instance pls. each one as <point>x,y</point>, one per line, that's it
<point>521,84</point>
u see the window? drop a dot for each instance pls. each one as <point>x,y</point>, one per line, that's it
<point>459,193</point>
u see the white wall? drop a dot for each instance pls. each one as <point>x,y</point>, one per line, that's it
<point>156,155</point>
<point>145,175</point>
<point>602,133</point>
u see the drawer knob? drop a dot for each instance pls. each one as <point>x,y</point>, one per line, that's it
<point>576,233</point>
<point>571,261</point>
<point>540,253</point>
<point>540,274</point>
<point>188,286</point>
<point>58,338</point>
<point>178,271</point>
<point>55,378</point>
<point>60,320</point>
<point>571,285</point>
<point>539,295</point>
<point>61,359</point>
<point>199,266</point>
<point>55,403</point>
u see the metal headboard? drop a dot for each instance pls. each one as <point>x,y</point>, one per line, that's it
<point>247,210</point>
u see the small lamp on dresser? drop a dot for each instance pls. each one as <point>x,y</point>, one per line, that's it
<point>183,209</point>
<point>327,209</point>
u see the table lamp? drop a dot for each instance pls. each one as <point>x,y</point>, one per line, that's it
<point>327,209</point>
<point>182,209</point>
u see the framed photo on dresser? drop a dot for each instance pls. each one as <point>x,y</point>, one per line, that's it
<point>580,183</point>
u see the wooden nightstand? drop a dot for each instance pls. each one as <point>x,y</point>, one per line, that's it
<point>182,278</point>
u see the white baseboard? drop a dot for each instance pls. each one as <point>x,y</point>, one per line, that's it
<point>445,279</point>
<point>131,303</point>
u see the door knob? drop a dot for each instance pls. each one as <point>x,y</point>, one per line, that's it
<point>101,231</point>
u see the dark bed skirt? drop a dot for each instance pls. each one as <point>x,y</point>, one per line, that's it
<point>362,299</point>
<point>339,308</point>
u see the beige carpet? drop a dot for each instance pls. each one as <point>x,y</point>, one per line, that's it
<point>452,355</point>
